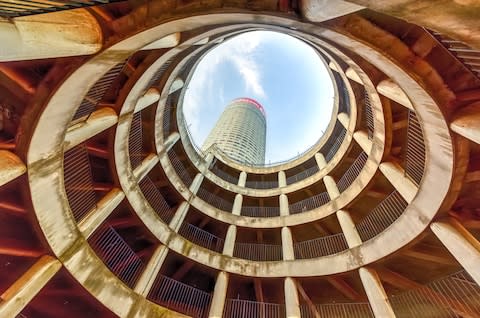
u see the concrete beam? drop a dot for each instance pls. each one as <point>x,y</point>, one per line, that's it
<point>351,74</point>
<point>466,122</point>
<point>149,274</point>
<point>144,168</point>
<point>361,137</point>
<point>11,167</point>
<point>322,10</point>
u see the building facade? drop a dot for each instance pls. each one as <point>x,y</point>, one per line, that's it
<point>107,209</point>
<point>240,132</point>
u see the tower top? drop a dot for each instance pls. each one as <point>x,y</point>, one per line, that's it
<point>250,101</point>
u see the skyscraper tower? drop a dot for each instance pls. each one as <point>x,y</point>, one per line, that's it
<point>240,132</point>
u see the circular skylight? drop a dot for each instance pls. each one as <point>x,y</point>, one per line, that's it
<point>284,74</point>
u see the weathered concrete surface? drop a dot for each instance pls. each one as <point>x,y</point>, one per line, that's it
<point>322,10</point>
<point>11,167</point>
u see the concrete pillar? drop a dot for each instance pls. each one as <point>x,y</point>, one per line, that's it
<point>466,122</point>
<point>230,240</point>
<point>20,293</point>
<point>168,41</point>
<point>146,280</point>
<point>376,294</point>
<point>390,89</point>
<point>97,122</point>
<point>322,10</point>
<point>179,216</point>
<point>176,85</point>
<point>292,305</point>
<point>396,175</point>
<point>219,295</point>
<point>50,35</point>
<point>284,208</point>
<point>344,119</point>
<point>287,244</point>
<point>461,244</point>
<point>208,162</point>
<point>169,143</point>
<point>348,228</point>
<point>151,96</point>
<point>282,179</point>
<point>242,179</point>
<point>101,212</point>
<point>11,167</point>
<point>351,74</point>
<point>320,159</point>
<point>144,168</point>
<point>361,137</point>
<point>237,204</point>
<point>331,186</point>
<point>196,183</point>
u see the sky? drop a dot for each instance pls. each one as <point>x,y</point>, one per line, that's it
<point>282,73</point>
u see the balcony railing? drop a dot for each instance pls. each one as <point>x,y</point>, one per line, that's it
<point>321,246</point>
<point>201,237</point>
<point>369,116</point>
<point>309,203</point>
<point>260,184</point>
<point>224,175</point>
<point>415,154</point>
<point>180,297</point>
<point>303,174</point>
<point>215,200</point>
<point>382,216</point>
<point>258,252</point>
<point>260,211</point>
<point>352,173</point>
<point>98,90</point>
<point>79,181</point>
<point>156,200</point>
<point>167,114</point>
<point>159,73</point>
<point>239,308</point>
<point>454,296</point>
<point>135,141</point>
<point>340,310</point>
<point>117,255</point>
<point>180,168</point>
<point>337,137</point>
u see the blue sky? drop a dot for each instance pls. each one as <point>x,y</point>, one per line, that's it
<point>282,73</point>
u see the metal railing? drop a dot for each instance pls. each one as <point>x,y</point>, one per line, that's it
<point>159,73</point>
<point>167,114</point>
<point>97,91</point>
<point>180,297</point>
<point>201,237</point>
<point>156,200</point>
<point>224,175</point>
<point>369,116</point>
<point>260,211</point>
<point>10,9</point>
<point>453,296</point>
<point>310,203</point>
<point>334,143</point>
<point>215,200</point>
<point>352,173</point>
<point>239,308</point>
<point>469,56</point>
<point>117,255</point>
<point>340,310</point>
<point>303,174</point>
<point>135,141</point>
<point>258,252</point>
<point>78,181</point>
<point>261,184</point>
<point>415,152</point>
<point>321,246</point>
<point>382,216</point>
<point>180,168</point>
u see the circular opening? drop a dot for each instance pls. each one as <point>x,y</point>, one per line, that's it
<point>281,73</point>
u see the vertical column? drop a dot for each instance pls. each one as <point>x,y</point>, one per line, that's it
<point>230,240</point>
<point>282,179</point>
<point>208,161</point>
<point>237,204</point>
<point>361,137</point>
<point>242,179</point>
<point>376,294</point>
<point>284,208</point>
<point>461,244</point>
<point>331,186</point>
<point>219,295</point>
<point>287,244</point>
<point>18,295</point>
<point>348,228</point>
<point>292,305</point>
<point>180,214</point>
<point>344,119</point>
<point>151,271</point>
<point>169,143</point>
<point>196,183</point>
<point>320,159</point>
<point>396,175</point>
